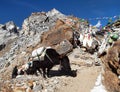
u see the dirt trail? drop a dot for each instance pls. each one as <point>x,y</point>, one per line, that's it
<point>86,75</point>
<point>84,81</point>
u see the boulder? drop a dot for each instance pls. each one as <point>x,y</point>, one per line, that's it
<point>64,47</point>
<point>11,27</point>
<point>57,34</point>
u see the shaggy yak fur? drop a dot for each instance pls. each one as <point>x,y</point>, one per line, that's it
<point>111,61</point>
<point>51,58</point>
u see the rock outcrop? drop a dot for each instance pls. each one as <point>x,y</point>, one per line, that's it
<point>53,29</point>
<point>111,61</point>
<point>57,34</point>
<point>40,29</point>
<point>41,21</point>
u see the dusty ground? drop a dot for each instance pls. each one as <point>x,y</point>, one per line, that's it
<point>87,73</point>
<point>84,81</point>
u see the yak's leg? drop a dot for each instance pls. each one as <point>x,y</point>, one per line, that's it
<point>48,70</point>
<point>39,71</point>
<point>44,72</point>
<point>35,72</point>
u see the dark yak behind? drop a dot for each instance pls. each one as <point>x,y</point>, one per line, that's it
<point>51,59</point>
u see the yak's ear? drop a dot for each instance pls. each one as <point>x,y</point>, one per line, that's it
<point>101,54</point>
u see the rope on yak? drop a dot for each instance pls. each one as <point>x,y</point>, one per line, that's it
<point>49,58</point>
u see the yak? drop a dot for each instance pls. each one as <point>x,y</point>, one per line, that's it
<point>51,59</point>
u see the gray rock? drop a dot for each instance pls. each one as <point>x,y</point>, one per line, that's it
<point>40,21</point>
<point>11,27</point>
<point>37,88</point>
<point>64,47</point>
<point>56,81</point>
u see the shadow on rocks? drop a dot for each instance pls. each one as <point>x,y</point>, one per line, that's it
<point>72,73</point>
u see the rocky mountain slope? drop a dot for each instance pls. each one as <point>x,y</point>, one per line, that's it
<point>58,31</point>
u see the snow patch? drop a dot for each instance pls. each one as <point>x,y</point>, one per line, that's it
<point>98,85</point>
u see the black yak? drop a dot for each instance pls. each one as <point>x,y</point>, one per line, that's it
<point>51,58</point>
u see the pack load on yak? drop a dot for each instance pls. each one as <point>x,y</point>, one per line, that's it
<point>38,54</point>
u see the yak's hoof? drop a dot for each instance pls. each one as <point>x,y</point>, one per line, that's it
<point>48,76</point>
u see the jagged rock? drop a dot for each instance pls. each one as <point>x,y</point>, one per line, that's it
<point>3,34</point>
<point>110,59</point>
<point>40,21</point>
<point>55,13</point>
<point>11,27</point>
<point>57,34</point>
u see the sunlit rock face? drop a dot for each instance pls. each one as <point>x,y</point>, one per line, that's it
<point>111,60</point>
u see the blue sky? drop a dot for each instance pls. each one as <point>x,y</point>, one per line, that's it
<point>18,10</point>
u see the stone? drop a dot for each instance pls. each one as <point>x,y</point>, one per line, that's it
<point>11,27</point>
<point>56,35</point>
<point>64,47</point>
<point>38,88</point>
